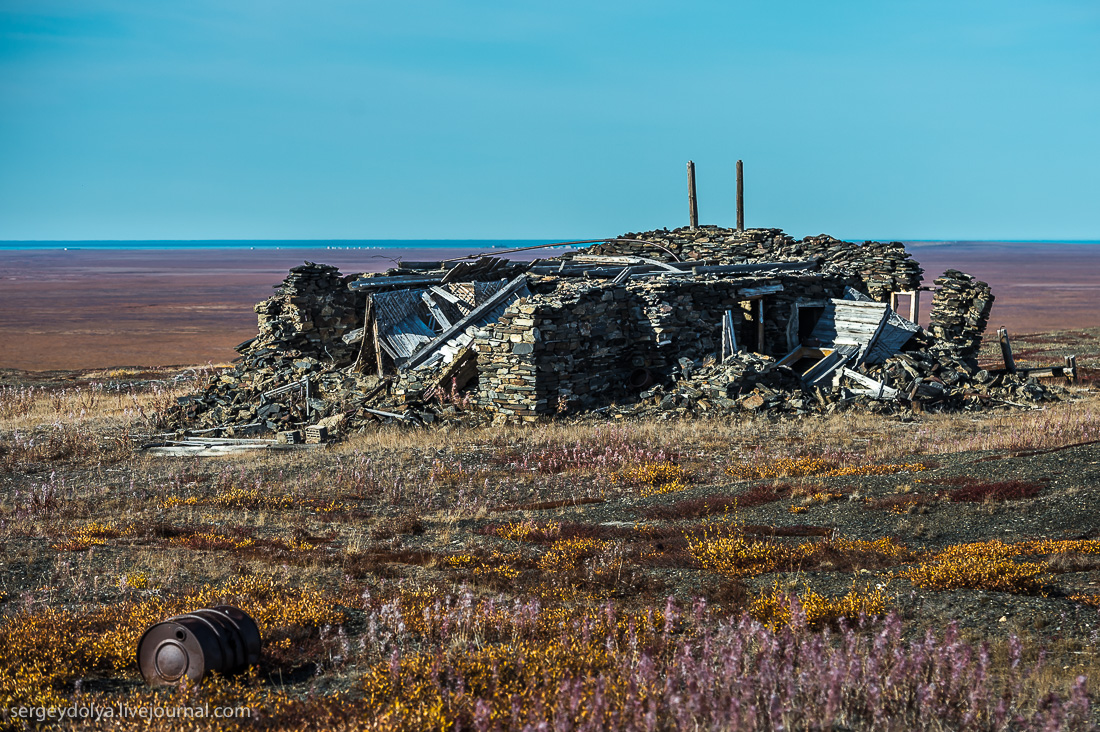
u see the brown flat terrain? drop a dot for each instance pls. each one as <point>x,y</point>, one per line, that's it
<point>103,309</point>
<point>1039,287</point>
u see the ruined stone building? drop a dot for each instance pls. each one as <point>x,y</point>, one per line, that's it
<point>709,318</point>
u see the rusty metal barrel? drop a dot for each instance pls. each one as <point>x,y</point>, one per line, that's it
<point>221,639</point>
<point>640,378</point>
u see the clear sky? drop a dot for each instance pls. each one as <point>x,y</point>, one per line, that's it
<point>352,119</point>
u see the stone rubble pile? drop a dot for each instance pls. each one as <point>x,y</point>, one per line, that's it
<point>884,267</point>
<point>299,338</point>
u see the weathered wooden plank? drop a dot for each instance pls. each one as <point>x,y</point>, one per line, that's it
<point>752,267</point>
<point>373,283</point>
<point>749,293</point>
<point>433,308</point>
<point>693,204</point>
<point>740,196</point>
<point>876,389</point>
<point>382,413</point>
<point>445,294</point>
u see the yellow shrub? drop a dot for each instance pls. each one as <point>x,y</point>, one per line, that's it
<point>984,565</point>
<point>733,554</point>
<point>567,554</point>
<point>654,478</point>
<point>774,608</point>
<point>812,466</point>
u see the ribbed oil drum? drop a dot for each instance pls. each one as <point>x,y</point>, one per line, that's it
<point>221,639</point>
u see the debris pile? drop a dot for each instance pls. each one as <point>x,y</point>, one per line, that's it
<point>289,373</point>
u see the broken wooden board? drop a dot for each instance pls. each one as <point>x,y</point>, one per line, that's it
<point>215,446</point>
<point>871,387</point>
<point>753,268</point>
<point>374,283</point>
<point>483,314</point>
<point>833,360</point>
<point>895,333</point>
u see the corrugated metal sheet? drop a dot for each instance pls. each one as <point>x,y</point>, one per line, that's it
<point>487,312</point>
<point>401,324</point>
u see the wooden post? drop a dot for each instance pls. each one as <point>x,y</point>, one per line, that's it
<point>740,196</point>
<point>914,306</point>
<point>693,204</point>
<point>1006,350</point>
<point>760,326</point>
<point>734,348</point>
<point>729,337</point>
<point>377,348</point>
<point>366,332</point>
<point>1071,368</point>
<point>894,301</point>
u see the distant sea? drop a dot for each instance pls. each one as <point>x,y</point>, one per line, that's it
<point>392,244</point>
<point>244,244</point>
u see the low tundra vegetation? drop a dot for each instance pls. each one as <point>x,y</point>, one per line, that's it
<point>688,575</point>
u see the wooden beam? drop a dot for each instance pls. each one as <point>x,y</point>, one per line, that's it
<point>873,388</point>
<point>693,204</point>
<point>370,283</point>
<point>740,196</point>
<point>729,336</point>
<point>368,311</point>
<point>914,306</point>
<point>433,308</point>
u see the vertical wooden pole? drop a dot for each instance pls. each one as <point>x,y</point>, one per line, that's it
<point>693,204</point>
<point>914,306</point>
<point>740,196</point>
<point>377,348</point>
<point>725,343</point>
<point>894,301</point>
<point>729,337</point>
<point>368,334</point>
<point>1006,350</point>
<point>760,325</point>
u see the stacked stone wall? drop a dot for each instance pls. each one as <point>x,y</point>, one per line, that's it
<point>552,352</point>
<point>299,335</point>
<point>960,312</point>
<point>682,316</point>
<point>578,345</point>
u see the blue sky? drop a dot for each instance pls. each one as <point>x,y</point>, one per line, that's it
<point>250,119</point>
